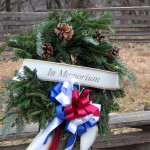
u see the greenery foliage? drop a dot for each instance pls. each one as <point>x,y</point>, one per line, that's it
<point>29,98</point>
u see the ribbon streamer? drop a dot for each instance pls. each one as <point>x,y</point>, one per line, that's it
<point>78,111</point>
<point>56,139</point>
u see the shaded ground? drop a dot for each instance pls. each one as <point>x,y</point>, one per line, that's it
<point>138,61</point>
<point>7,69</point>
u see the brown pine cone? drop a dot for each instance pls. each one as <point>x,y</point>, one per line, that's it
<point>114,52</point>
<point>99,36</point>
<point>48,50</point>
<point>64,31</point>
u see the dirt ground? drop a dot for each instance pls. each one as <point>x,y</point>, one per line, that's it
<point>138,61</point>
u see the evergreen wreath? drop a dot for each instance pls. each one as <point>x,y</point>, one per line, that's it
<point>72,38</point>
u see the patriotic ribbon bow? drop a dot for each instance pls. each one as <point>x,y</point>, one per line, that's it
<point>80,106</point>
<point>78,111</point>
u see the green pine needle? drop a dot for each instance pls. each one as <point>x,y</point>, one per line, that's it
<point>8,123</point>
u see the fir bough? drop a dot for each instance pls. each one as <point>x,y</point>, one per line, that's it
<point>29,98</point>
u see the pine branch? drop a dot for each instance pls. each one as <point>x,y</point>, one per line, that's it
<point>39,45</point>
<point>90,40</point>
<point>2,47</point>
<point>22,53</point>
<point>8,123</point>
<point>20,124</point>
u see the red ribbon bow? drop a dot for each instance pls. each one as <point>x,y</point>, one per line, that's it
<point>81,106</point>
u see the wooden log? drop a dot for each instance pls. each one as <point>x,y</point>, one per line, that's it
<point>14,31</point>
<point>24,14</point>
<point>24,135</point>
<point>143,146</point>
<point>147,107</point>
<point>134,119</point>
<point>7,56</point>
<point>131,40</point>
<point>46,12</point>
<point>2,38</point>
<point>114,40</point>
<point>118,140</point>
<point>27,23</point>
<point>129,33</point>
<point>41,16</point>
<point>123,139</point>
<point>133,33</point>
<point>130,119</point>
<point>19,23</point>
<point>15,147</point>
<point>119,33</point>
<point>131,26</point>
<point>25,18</point>
<point>129,17</point>
<point>102,9</point>
<point>7,48</point>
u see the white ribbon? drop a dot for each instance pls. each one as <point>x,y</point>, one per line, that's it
<point>72,126</point>
<point>65,99</point>
<point>38,143</point>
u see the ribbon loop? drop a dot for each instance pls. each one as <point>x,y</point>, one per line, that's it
<point>75,108</point>
<point>80,106</point>
<point>86,93</point>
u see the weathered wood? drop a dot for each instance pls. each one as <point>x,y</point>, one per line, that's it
<point>24,135</point>
<point>131,40</point>
<point>25,18</point>
<point>15,147</point>
<point>130,119</point>
<point>26,21</point>
<point>29,132</point>
<point>24,14</point>
<point>129,33</point>
<point>115,141</point>
<point>14,31</point>
<point>123,139</point>
<point>130,17</point>
<point>133,33</point>
<point>7,56</point>
<point>114,40</point>
<point>19,23</point>
<point>131,26</point>
<point>38,13</point>
<point>147,107</point>
<point>144,146</point>
<point>7,48</point>
<point>33,127</point>
<point>103,9</point>
<point>134,119</point>
<point>41,15</point>
<point>119,33</point>
<point>2,38</point>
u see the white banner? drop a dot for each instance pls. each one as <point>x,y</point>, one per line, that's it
<point>60,72</point>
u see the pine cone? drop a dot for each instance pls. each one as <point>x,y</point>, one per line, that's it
<point>114,52</point>
<point>64,31</point>
<point>99,36</point>
<point>48,50</point>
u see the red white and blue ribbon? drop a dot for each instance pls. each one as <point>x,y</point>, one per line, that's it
<point>73,107</point>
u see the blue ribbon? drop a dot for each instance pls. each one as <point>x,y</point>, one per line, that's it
<point>81,129</point>
<point>71,140</point>
<point>56,90</point>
